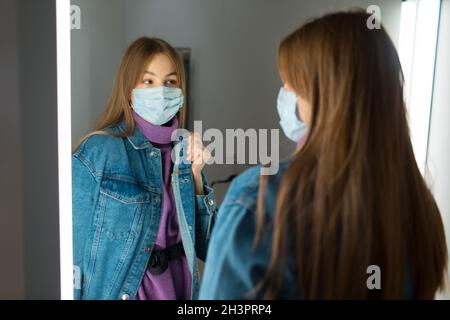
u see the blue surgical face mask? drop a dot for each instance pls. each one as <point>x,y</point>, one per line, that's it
<point>292,126</point>
<point>157,105</point>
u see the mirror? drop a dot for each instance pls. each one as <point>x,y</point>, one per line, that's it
<point>233,78</point>
<point>229,52</point>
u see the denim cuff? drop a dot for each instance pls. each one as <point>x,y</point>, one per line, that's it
<point>206,202</point>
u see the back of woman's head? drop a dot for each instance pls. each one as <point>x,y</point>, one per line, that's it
<point>353,196</point>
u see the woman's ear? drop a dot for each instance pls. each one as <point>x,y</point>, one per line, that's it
<point>288,87</point>
<point>304,109</point>
<point>130,101</point>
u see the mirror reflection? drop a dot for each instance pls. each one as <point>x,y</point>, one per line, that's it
<point>247,149</point>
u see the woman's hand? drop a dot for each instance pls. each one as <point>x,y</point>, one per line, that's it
<point>198,155</point>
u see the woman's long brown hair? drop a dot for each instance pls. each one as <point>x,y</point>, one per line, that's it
<point>353,196</point>
<point>131,70</point>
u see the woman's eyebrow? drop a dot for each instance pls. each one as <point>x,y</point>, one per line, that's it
<point>173,73</point>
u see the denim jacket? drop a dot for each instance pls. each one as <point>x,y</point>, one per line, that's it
<point>117,198</point>
<point>234,267</point>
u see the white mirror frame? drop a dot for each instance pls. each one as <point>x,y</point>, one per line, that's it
<point>63,25</point>
<point>417,48</point>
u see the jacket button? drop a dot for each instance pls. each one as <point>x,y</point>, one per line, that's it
<point>211,202</point>
<point>125,297</point>
<point>157,200</point>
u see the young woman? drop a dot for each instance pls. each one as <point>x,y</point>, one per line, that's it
<point>140,219</point>
<point>350,200</point>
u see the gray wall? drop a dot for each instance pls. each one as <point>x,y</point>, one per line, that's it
<point>29,231</point>
<point>12,274</point>
<point>96,52</point>
<point>234,78</point>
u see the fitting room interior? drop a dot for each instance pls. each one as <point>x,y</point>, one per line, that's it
<point>57,72</point>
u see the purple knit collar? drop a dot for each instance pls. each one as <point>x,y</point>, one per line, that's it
<point>156,134</point>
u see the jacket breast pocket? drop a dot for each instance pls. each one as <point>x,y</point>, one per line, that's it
<point>121,208</point>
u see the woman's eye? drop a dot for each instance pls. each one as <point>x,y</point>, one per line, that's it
<point>147,82</point>
<point>171,83</point>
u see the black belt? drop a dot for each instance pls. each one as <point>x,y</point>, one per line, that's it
<point>159,260</point>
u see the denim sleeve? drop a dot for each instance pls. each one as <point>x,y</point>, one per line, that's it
<point>206,211</point>
<point>83,197</point>
<point>233,267</point>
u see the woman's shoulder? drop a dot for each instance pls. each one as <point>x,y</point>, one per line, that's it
<point>244,188</point>
<point>232,241</point>
<point>98,147</point>
<point>238,209</point>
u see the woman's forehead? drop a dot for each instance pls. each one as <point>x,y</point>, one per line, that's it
<point>160,65</point>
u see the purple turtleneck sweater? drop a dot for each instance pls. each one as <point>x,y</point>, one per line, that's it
<point>175,282</point>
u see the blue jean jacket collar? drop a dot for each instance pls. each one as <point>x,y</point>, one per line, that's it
<point>140,142</point>
<point>137,139</point>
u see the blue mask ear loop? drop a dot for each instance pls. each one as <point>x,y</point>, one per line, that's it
<point>297,107</point>
<point>130,105</point>
<point>303,139</point>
